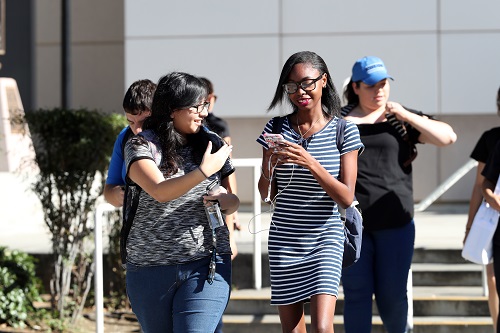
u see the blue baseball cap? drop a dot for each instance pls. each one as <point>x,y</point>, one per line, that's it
<point>370,70</point>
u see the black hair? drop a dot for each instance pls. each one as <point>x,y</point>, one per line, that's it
<point>330,99</point>
<point>139,97</point>
<point>177,90</point>
<point>209,85</point>
<point>350,96</point>
<point>498,101</point>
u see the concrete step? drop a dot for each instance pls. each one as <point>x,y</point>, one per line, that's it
<point>427,270</point>
<point>438,255</point>
<point>434,324</point>
<point>427,301</point>
<point>446,274</point>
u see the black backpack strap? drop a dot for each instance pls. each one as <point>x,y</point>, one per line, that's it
<point>128,135</point>
<point>278,124</point>
<point>130,204</point>
<point>398,126</point>
<point>341,123</point>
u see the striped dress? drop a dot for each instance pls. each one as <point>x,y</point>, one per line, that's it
<point>306,239</point>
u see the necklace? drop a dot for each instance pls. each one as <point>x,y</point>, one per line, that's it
<point>298,127</point>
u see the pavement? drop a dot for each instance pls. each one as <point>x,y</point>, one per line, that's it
<point>23,228</point>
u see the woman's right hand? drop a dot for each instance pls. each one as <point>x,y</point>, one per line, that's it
<point>212,163</point>
<point>272,158</point>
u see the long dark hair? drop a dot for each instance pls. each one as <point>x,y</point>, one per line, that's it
<point>330,99</point>
<point>175,91</point>
<point>350,96</point>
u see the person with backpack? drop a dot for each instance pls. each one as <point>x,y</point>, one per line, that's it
<point>384,189</point>
<point>306,177</point>
<point>177,251</point>
<point>137,106</point>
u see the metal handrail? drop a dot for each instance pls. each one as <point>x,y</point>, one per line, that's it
<point>449,182</point>
<point>423,205</point>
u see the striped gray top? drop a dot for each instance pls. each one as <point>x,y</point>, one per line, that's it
<point>177,231</point>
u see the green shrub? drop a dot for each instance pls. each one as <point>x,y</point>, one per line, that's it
<point>72,152</point>
<point>18,287</point>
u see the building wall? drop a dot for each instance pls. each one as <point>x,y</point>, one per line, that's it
<point>97,54</point>
<point>19,58</point>
<point>443,55</point>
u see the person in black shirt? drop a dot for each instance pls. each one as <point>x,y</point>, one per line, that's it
<point>482,151</point>
<point>490,173</point>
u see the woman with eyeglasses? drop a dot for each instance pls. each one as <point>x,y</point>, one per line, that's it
<point>178,262</point>
<point>304,179</point>
<point>384,190</point>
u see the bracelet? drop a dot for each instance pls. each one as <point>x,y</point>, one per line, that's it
<point>204,174</point>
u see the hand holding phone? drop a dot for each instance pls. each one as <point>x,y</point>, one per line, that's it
<point>212,207</point>
<point>273,140</point>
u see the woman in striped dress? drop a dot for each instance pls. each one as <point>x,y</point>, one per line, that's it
<point>303,180</point>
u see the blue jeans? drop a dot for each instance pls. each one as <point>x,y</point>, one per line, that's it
<point>178,298</point>
<point>382,270</point>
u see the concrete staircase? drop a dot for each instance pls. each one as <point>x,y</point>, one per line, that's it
<point>447,298</point>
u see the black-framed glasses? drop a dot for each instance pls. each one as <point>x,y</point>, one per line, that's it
<point>200,107</point>
<point>306,85</point>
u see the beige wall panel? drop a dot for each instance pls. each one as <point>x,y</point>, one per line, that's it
<point>154,18</point>
<point>98,77</point>
<point>97,21</point>
<point>48,77</point>
<point>48,21</point>
<point>243,70</point>
<point>470,72</point>
<point>469,15</point>
<point>348,17</point>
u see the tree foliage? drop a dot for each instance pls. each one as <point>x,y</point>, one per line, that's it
<point>72,152</point>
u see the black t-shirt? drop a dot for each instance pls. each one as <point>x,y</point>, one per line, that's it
<point>217,125</point>
<point>384,187</point>
<point>492,168</point>
<point>486,145</point>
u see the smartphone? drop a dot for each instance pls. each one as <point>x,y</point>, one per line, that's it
<point>212,209</point>
<point>273,140</point>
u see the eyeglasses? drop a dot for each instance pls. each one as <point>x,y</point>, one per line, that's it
<point>200,107</point>
<point>306,85</point>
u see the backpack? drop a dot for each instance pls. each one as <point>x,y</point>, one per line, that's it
<point>129,208</point>
<point>351,216</point>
